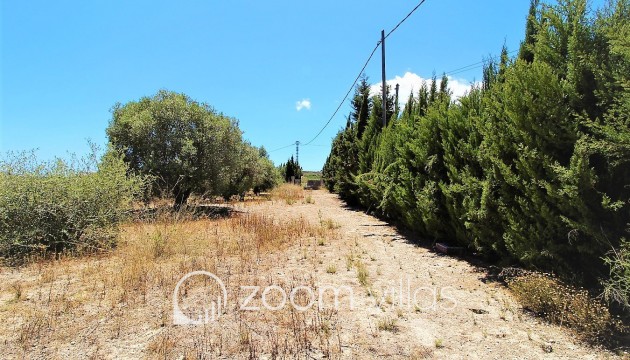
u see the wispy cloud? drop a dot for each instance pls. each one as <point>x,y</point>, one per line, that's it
<point>411,82</point>
<point>303,104</point>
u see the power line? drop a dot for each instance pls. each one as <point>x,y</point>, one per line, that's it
<point>347,93</point>
<point>361,72</point>
<point>406,17</point>
<point>282,148</point>
<point>475,65</point>
<point>452,72</point>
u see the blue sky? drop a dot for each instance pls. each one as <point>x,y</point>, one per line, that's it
<point>64,64</point>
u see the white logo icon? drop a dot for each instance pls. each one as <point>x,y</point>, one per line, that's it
<point>212,313</point>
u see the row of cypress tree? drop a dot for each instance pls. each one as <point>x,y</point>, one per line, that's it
<point>290,170</point>
<point>532,166</point>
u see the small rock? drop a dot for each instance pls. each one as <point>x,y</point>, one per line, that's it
<point>479,311</point>
<point>547,348</point>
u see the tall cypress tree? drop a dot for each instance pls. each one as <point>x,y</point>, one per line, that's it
<point>423,99</point>
<point>444,95</point>
<point>526,52</point>
<point>361,105</point>
<point>433,90</point>
<point>503,64</point>
<point>342,166</point>
<point>292,169</point>
<point>489,74</point>
<point>408,111</point>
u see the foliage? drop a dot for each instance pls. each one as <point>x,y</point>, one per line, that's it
<point>564,305</point>
<point>291,170</point>
<point>267,176</point>
<point>62,206</point>
<point>617,286</point>
<point>531,167</point>
<point>312,175</point>
<point>188,147</point>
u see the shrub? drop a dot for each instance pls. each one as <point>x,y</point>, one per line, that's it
<point>563,305</point>
<point>617,286</point>
<point>62,205</point>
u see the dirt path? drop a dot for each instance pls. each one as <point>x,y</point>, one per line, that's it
<point>425,304</point>
<point>396,300</point>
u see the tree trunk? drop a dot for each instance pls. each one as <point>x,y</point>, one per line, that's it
<point>181,197</point>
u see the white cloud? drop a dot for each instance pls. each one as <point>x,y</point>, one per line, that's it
<point>303,104</point>
<point>412,82</point>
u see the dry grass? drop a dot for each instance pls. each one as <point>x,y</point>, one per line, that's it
<point>362,273</point>
<point>331,269</point>
<point>289,193</point>
<point>118,304</point>
<point>107,300</point>
<point>563,305</point>
<point>387,324</point>
<point>421,352</point>
<point>330,224</point>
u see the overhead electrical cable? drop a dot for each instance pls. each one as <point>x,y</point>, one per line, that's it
<point>282,148</point>
<point>347,93</point>
<point>362,70</point>
<point>406,17</point>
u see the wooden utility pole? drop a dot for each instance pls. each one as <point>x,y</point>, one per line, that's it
<point>384,79</point>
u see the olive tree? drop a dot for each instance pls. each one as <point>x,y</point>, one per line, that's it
<point>185,145</point>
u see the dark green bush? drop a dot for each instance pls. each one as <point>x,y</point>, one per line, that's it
<point>62,206</point>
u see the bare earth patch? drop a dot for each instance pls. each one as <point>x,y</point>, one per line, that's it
<point>396,300</point>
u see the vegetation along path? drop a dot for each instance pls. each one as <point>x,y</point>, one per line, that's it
<point>470,319</point>
<point>395,300</point>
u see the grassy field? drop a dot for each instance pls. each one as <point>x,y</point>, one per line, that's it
<point>313,175</point>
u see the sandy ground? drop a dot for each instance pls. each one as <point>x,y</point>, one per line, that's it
<point>409,303</point>
<point>471,319</point>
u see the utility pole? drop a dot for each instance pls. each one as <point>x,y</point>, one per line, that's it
<point>384,79</point>
<point>297,152</point>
